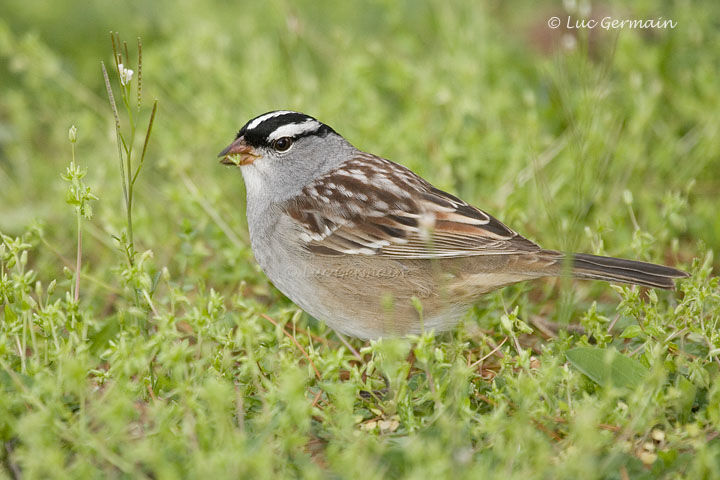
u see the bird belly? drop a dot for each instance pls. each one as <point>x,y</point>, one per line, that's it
<point>371,297</point>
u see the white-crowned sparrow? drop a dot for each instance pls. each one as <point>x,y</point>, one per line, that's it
<point>372,249</point>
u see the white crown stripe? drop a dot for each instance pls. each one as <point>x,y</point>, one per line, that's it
<point>294,129</point>
<point>262,118</point>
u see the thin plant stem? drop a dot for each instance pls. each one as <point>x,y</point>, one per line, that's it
<point>297,344</point>
<point>139,79</point>
<point>145,144</point>
<point>345,342</point>
<point>120,145</point>
<point>78,260</point>
<point>78,265</point>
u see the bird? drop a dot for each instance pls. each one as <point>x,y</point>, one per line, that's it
<point>374,250</point>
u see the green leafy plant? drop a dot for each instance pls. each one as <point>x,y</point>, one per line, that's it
<point>78,195</point>
<point>126,139</point>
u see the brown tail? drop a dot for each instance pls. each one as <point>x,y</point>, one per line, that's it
<point>621,270</point>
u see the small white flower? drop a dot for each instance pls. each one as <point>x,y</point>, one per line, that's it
<point>125,74</point>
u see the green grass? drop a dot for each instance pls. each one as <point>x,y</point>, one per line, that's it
<point>182,360</point>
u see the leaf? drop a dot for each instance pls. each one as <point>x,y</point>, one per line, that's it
<point>99,340</point>
<point>10,315</point>
<point>607,367</point>
<point>631,331</point>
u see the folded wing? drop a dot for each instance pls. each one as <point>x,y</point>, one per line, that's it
<point>371,206</point>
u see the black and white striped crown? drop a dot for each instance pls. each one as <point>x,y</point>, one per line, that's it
<point>268,127</point>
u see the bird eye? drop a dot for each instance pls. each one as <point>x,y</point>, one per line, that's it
<point>282,144</point>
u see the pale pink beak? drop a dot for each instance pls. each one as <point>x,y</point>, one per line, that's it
<point>238,153</point>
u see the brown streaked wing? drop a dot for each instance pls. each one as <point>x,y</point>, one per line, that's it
<point>372,206</point>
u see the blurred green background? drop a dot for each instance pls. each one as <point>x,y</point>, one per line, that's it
<point>593,140</point>
<point>543,126</point>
